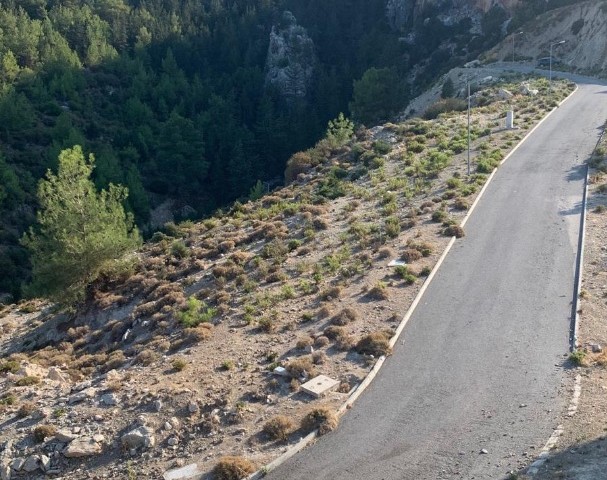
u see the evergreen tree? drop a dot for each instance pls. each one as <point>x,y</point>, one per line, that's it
<point>79,230</point>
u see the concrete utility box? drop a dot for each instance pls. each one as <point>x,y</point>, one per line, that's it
<point>510,119</point>
<point>319,386</point>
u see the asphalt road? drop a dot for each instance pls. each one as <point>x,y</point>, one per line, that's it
<point>480,363</point>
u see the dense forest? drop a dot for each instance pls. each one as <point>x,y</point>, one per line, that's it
<point>173,100</point>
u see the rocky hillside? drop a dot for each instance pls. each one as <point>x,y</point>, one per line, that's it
<point>583,26</point>
<point>200,350</point>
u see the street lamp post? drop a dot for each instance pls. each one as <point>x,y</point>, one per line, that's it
<point>552,45</point>
<point>513,37</point>
<point>468,126</point>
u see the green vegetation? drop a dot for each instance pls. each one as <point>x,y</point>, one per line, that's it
<point>196,312</point>
<point>79,230</point>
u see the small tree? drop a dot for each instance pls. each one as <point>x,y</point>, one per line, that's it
<point>448,89</point>
<point>79,230</point>
<point>339,131</point>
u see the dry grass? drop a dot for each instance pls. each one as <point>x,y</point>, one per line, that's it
<point>379,291</point>
<point>301,367</point>
<point>345,316</point>
<point>376,343</point>
<point>321,418</point>
<point>44,431</point>
<point>233,468</point>
<point>279,427</point>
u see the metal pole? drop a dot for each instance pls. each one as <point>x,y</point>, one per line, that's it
<point>468,126</point>
<point>513,35</point>
<point>550,76</point>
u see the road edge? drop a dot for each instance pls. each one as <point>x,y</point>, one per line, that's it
<point>534,468</point>
<point>307,440</point>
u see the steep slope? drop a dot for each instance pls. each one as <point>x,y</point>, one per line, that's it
<point>173,362</point>
<point>583,26</point>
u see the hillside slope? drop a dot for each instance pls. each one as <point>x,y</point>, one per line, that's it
<point>174,363</point>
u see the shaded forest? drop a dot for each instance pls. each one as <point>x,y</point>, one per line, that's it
<point>171,96</point>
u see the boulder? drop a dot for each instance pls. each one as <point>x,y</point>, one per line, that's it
<point>139,437</point>
<point>57,375</point>
<point>65,436</point>
<point>17,464</point>
<point>5,470</point>
<point>109,399</point>
<point>31,463</point>
<point>82,447</point>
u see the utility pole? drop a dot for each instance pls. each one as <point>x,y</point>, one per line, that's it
<point>468,126</point>
<point>552,45</point>
<point>513,37</point>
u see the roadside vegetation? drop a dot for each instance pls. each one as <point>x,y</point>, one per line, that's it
<point>297,279</point>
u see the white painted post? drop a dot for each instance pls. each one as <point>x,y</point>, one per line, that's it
<point>510,119</point>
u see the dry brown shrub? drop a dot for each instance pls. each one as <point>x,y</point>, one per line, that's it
<point>146,357</point>
<point>379,291</point>
<point>115,360</point>
<point>104,301</point>
<point>278,427</point>
<point>77,332</point>
<point>386,252</point>
<point>233,468</point>
<point>26,409</point>
<point>376,344</point>
<point>301,367</point>
<point>304,251</point>
<point>460,204</point>
<point>240,257</point>
<point>44,431</point>
<point>209,244</point>
<point>323,419</point>
<point>304,342</point>
<point>274,277</point>
<point>300,162</point>
<point>226,246</point>
<point>192,336</point>
<point>331,293</point>
<point>324,312</point>
<point>321,341</point>
<point>333,332</point>
<point>320,224</point>
<point>344,342</point>
<point>319,357</point>
<point>314,210</point>
<point>146,309</point>
<point>454,231</point>
<point>410,255</point>
<point>345,316</point>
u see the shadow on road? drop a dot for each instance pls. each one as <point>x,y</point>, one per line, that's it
<point>583,461</point>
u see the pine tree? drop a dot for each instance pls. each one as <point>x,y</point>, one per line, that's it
<point>79,230</point>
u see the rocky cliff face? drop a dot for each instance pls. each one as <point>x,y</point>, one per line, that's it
<point>402,12</point>
<point>291,58</point>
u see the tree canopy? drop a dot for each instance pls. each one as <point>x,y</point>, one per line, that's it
<point>78,231</point>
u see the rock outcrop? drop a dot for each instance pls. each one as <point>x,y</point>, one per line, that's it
<point>291,59</point>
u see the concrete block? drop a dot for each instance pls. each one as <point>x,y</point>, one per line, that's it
<point>319,386</point>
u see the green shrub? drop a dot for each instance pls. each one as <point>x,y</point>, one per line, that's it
<point>578,357</point>
<point>382,147</point>
<point>11,366</point>
<point>196,312</point>
<point>179,249</point>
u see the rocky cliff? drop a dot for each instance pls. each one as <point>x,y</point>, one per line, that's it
<point>402,12</point>
<point>291,58</point>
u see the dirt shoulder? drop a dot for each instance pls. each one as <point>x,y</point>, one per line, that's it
<point>580,453</point>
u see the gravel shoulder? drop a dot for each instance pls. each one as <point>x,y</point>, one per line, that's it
<point>580,451</point>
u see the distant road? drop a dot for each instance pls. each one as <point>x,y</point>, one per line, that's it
<point>479,366</point>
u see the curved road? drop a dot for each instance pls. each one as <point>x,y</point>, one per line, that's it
<point>480,363</point>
